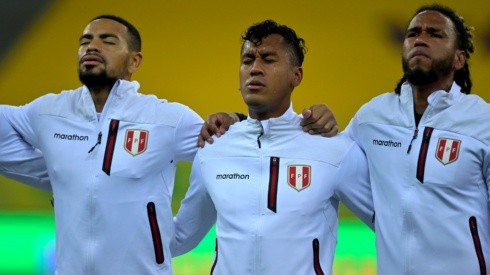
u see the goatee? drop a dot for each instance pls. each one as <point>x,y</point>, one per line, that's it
<point>420,77</point>
<point>92,80</point>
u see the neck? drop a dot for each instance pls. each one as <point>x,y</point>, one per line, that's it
<point>422,93</point>
<point>99,96</point>
<point>259,116</point>
<point>264,115</point>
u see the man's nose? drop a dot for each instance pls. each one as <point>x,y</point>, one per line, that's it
<point>93,46</point>
<point>256,68</point>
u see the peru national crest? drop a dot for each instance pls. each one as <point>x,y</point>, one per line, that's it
<point>447,150</point>
<point>135,141</point>
<point>299,176</point>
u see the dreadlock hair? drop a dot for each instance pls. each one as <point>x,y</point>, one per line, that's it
<point>296,45</point>
<point>464,43</point>
<point>134,35</point>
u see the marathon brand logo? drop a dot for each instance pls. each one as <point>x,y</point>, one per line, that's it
<point>234,176</point>
<point>387,143</point>
<point>73,137</point>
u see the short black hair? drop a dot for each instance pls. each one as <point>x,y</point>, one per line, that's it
<point>259,31</point>
<point>134,35</point>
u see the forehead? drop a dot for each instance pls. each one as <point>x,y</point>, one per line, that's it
<point>431,19</point>
<point>104,25</point>
<point>272,42</point>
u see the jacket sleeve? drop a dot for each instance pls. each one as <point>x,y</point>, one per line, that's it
<point>352,132</point>
<point>18,159</point>
<point>486,173</point>
<point>196,214</point>
<point>186,134</point>
<point>354,189</point>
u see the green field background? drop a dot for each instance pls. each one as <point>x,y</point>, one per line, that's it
<point>28,248</point>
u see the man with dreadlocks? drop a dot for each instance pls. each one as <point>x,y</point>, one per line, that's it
<point>427,145</point>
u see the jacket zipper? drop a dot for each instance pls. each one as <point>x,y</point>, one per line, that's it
<point>99,139</point>
<point>424,147</point>
<point>155,233</point>
<point>316,257</point>
<point>258,138</point>
<point>111,144</point>
<point>414,137</point>
<point>215,261</point>
<point>91,208</point>
<point>273,181</point>
<point>477,244</point>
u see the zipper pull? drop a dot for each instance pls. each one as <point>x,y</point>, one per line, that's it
<point>99,138</point>
<point>413,138</point>
<point>260,135</point>
<point>258,138</point>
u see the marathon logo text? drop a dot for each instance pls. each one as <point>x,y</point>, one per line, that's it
<point>234,176</point>
<point>387,143</point>
<point>74,137</point>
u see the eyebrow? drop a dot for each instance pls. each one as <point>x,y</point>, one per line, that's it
<point>429,29</point>
<point>102,36</point>
<point>264,53</point>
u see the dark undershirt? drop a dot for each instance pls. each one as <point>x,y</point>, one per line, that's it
<point>242,117</point>
<point>417,118</point>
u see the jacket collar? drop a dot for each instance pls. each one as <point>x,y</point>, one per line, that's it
<point>437,98</point>
<point>119,93</point>
<point>287,119</point>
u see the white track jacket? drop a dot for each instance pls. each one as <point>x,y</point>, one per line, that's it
<point>19,160</point>
<point>429,183</point>
<point>113,177</point>
<point>276,192</point>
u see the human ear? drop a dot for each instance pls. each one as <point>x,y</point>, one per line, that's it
<point>459,60</point>
<point>135,61</point>
<point>297,76</point>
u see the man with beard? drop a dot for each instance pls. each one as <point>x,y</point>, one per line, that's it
<point>111,155</point>
<point>427,145</point>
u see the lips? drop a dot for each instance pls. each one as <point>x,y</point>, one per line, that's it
<point>91,59</point>
<point>255,84</point>
<point>419,53</point>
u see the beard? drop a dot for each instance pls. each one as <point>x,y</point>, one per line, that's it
<point>420,77</point>
<point>96,80</point>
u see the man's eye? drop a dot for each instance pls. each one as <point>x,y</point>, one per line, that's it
<point>84,42</point>
<point>247,61</point>
<point>410,34</point>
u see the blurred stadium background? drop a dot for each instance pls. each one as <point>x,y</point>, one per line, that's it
<point>191,54</point>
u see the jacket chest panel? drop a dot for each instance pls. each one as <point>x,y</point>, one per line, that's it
<point>437,159</point>
<point>127,149</point>
<point>297,187</point>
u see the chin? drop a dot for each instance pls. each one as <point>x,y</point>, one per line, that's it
<point>253,104</point>
<point>253,101</point>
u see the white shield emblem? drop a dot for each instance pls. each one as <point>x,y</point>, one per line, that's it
<point>135,141</point>
<point>299,176</point>
<point>447,150</point>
